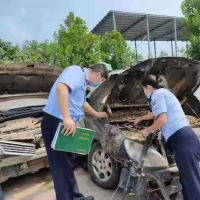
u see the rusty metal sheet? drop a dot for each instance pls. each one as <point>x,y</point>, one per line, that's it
<point>7,97</point>
<point>21,103</point>
<point>15,126</point>
<point>25,135</point>
<point>182,74</point>
<point>21,79</point>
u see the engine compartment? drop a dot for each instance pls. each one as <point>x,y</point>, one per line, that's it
<point>120,117</point>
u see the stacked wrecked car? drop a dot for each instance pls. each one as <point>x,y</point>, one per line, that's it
<point>24,91</point>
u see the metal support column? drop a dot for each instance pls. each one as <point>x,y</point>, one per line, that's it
<point>148,36</point>
<point>136,54</point>
<point>172,48</point>
<point>155,48</point>
<point>114,22</point>
<point>175,38</point>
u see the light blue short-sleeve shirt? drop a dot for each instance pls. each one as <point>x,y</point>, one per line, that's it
<point>164,101</point>
<point>77,79</point>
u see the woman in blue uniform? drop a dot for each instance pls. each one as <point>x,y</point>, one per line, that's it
<point>176,130</point>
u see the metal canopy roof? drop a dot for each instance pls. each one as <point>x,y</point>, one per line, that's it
<point>133,26</point>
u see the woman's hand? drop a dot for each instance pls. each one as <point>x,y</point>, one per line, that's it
<point>145,133</point>
<point>136,121</point>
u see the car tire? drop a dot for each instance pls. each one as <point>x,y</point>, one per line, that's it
<point>1,193</point>
<point>104,171</point>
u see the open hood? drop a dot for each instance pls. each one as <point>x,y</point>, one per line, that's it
<point>182,74</point>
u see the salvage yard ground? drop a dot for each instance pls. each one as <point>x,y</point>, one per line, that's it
<point>39,186</point>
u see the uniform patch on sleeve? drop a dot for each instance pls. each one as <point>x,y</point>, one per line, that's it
<point>155,105</point>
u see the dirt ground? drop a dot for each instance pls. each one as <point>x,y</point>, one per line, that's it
<point>39,186</point>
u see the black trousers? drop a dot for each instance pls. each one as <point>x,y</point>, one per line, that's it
<point>61,163</point>
<point>186,146</point>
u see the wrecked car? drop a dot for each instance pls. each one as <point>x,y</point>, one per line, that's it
<point>24,91</point>
<point>118,145</point>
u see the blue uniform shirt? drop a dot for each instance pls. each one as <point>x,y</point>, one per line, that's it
<point>77,79</point>
<point>163,101</point>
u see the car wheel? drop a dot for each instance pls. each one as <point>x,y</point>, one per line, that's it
<point>104,171</point>
<point>1,193</point>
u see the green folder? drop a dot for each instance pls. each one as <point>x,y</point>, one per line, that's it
<point>80,143</point>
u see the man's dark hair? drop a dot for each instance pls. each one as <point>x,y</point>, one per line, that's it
<point>99,67</point>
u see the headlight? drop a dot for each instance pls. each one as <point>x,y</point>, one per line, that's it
<point>153,159</point>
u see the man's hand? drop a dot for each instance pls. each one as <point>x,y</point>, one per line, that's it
<point>101,114</point>
<point>69,126</point>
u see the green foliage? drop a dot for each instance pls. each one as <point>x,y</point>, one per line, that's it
<point>115,50</point>
<point>76,45</point>
<point>194,47</point>
<point>39,52</point>
<point>139,57</point>
<point>9,52</point>
<point>73,44</point>
<point>191,10</point>
<point>183,52</point>
<point>163,54</point>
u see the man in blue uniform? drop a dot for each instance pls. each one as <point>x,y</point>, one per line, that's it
<point>67,103</point>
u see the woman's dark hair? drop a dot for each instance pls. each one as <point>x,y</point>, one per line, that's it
<point>155,81</point>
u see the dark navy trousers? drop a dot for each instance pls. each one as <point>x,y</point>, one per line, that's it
<point>61,163</point>
<point>186,146</point>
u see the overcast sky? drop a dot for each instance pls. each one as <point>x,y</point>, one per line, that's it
<point>38,19</point>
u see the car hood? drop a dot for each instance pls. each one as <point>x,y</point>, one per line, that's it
<point>182,74</point>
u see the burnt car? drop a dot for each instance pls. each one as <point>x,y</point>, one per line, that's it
<point>149,163</point>
<point>24,90</point>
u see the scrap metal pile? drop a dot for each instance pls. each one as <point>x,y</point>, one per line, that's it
<point>21,145</point>
<point>24,90</point>
<point>26,130</point>
<point>20,132</point>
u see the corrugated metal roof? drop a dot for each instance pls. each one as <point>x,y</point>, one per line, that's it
<point>133,26</point>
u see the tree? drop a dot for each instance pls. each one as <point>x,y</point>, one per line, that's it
<point>183,52</point>
<point>191,10</point>
<point>76,45</point>
<point>9,52</point>
<point>139,57</point>
<point>39,52</point>
<point>163,54</point>
<point>115,50</point>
